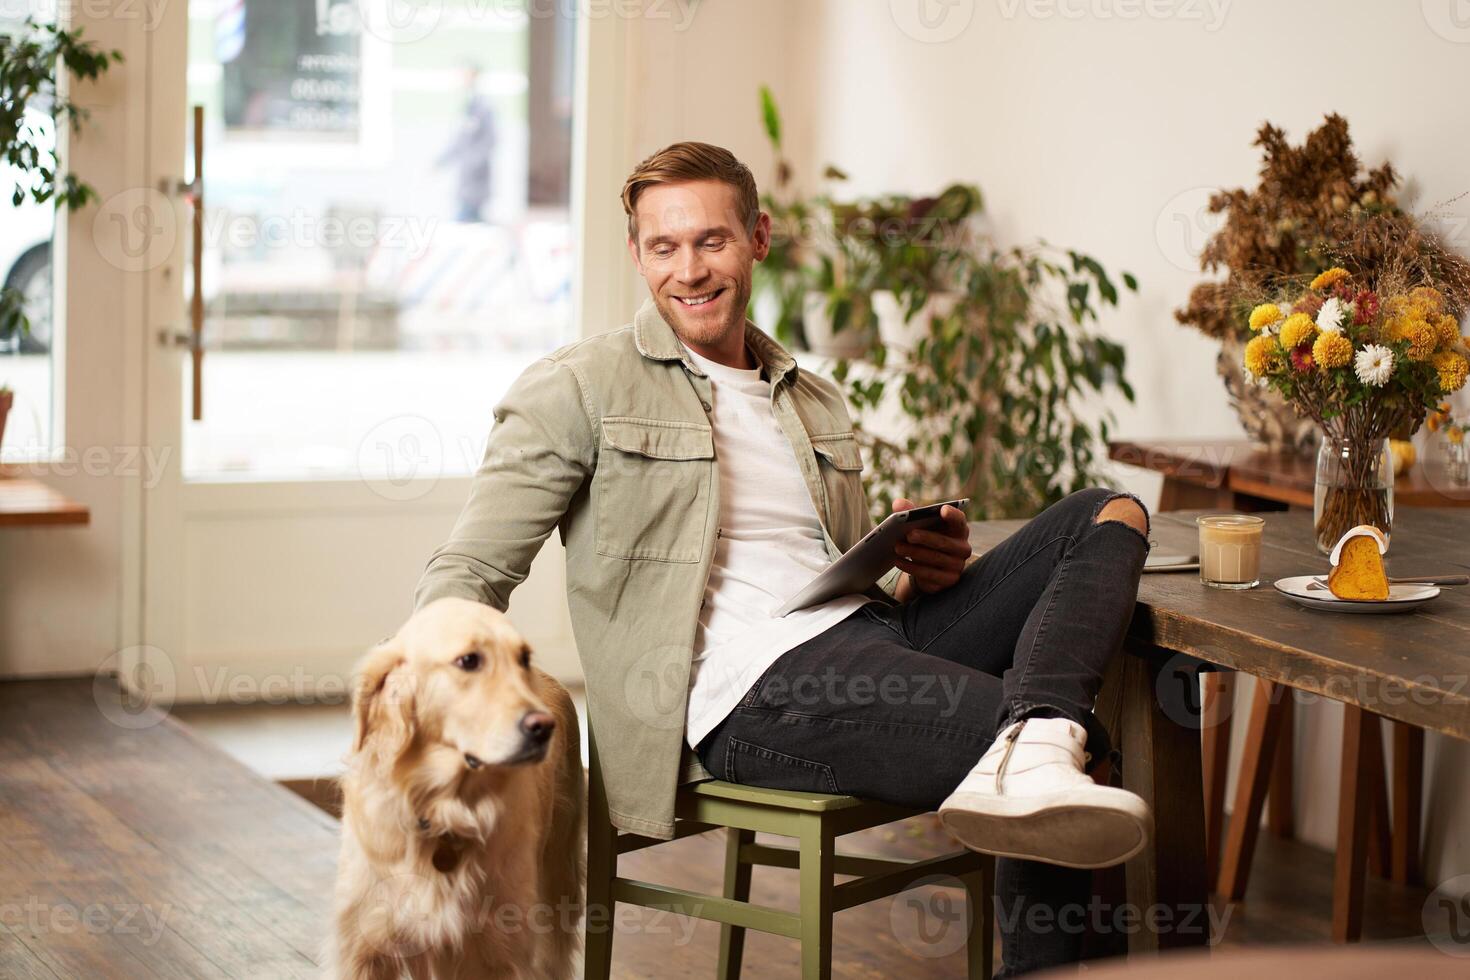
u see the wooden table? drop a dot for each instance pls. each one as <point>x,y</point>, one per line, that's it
<point>131,848</point>
<point>1235,474</point>
<point>1410,667</point>
<point>25,502</point>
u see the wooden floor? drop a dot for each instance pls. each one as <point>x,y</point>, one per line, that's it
<point>131,848</point>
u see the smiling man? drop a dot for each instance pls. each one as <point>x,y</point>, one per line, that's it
<point>699,478</point>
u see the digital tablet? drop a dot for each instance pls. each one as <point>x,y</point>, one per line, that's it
<point>868,560</point>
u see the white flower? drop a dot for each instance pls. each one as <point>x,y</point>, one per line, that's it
<point>1329,318</point>
<point>1374,364</point>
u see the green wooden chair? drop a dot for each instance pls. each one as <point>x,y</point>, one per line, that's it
<point>815,820</point>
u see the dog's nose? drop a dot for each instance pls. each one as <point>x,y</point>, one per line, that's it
<point>537,725</point>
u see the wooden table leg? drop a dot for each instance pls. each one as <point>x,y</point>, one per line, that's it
<point>1267,715</point>
<point>1217,697</point>
<point>1167,883</point>
<point>1358,726</point>
<point>1280,796</point>
<point>1375,785</point>
<point>1408,791</point>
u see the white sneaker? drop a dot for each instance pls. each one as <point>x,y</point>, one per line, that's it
<point>1028,797</point>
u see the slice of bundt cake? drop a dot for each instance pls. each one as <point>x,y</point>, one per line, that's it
<point>1357,565</point>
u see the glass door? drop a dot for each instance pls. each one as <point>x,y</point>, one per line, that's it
<point>380,197</point>
<point>386,230</point>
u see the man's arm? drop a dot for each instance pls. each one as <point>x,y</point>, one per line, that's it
<point>540,452</point>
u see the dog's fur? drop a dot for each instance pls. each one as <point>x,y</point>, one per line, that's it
<point>462,849</point>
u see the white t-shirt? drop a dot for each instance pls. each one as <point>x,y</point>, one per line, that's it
<point>768,548</point>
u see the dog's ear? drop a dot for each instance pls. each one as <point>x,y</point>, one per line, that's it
<point>382,702</point>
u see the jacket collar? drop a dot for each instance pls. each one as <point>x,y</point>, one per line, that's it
<point>656,339</point>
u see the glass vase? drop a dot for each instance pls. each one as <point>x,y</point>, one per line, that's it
<point>1354,486</point>
<point>1457,462</point>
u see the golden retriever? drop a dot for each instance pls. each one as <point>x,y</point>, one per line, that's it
<point>463,808</point>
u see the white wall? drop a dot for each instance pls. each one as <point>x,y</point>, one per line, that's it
<point>1105,132</point>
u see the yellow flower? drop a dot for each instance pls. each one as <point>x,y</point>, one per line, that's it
<point>1331,277</point>
<point>1452,369</point>
<point>1455,435</point>
<point>1429,298</point>
<point>1265,315</point>
<point>1262,354</point>
<point>1449,331</point>
<point>1332,350</point>
<point>1395,305</point>
<point>1297,329</point>
<point>1422,339</point>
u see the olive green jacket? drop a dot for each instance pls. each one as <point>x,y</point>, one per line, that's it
<point>609,440</point>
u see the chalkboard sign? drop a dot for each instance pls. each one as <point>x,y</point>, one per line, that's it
<point>290,68</point>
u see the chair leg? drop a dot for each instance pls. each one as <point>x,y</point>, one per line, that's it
<point>1408,790</point>
<point>737,886</point>
<point>1358,727</point>
<point>980,943</point>
<point>817,849</point>
<point>602,868</point>
<point>1250,792</point>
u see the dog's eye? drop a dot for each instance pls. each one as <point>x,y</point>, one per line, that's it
<point>468,661</point>
<point>525,655</point>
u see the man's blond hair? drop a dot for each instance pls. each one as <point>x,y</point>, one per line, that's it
<point>686,161</point>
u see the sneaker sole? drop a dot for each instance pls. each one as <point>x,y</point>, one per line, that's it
<point>1062,831</point>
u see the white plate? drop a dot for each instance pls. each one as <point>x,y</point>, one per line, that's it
<point>1401,598</point>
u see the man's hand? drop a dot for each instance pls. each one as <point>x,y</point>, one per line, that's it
<point>931,560</point>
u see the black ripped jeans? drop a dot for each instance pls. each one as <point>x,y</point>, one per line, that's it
<point>898,702</point>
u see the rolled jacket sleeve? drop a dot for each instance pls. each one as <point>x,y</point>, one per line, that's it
<point>540,452</point>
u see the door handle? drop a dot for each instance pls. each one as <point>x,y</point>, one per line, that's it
<point>193,339</point>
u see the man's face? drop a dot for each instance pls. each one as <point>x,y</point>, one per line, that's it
<point>692,246</point>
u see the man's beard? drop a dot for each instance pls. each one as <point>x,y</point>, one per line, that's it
<point>703,332</point>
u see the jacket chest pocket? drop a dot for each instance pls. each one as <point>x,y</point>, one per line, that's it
<point>653,488</point>
<point>840,466</point>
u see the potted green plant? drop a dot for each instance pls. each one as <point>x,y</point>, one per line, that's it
<point>995,394</point>
<point>33,105</point>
